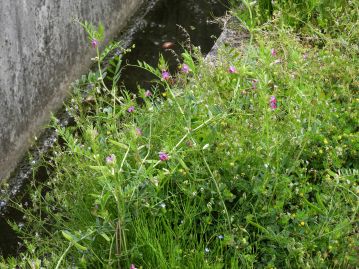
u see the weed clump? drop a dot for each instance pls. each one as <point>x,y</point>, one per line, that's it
<point>252,162</point>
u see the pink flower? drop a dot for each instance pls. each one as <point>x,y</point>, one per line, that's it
<point>148,93</point>
<point>232,69</point>
<point>273,102</point>
<point>138,131</point>
<point>131,109</point>
<point>185,68</point>
<point>163,156</point>
<point>273,52</point>
<point>94,43</point>
<point>132,266</point>
<point>111,159</point>
<point>165,75</point>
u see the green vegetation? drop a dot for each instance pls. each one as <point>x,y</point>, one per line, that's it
<point>248,163</point>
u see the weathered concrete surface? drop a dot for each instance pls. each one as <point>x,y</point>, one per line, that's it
<point>41,52</point>
<point>233,35</point>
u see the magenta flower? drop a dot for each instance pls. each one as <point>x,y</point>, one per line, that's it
<point>94,43</point>
<point>273,102</point>
<point>185,68</point>
<point>111,159</point>
<point>131,109</point>
<point>148,93</point>
<point>163,156</point>
<point>138,131</point>
<point>232,69</point>
<point>273,52</point>
<point>165,75</point>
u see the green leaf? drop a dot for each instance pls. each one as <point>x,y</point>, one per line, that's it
<point>100,31</point>
<point>183,164</point>
<point>73,239</point>
<point>80,247</point>
<point>68,236</point>
<point>121,145</point>
<point>99,168</point>
<point>105,237</point>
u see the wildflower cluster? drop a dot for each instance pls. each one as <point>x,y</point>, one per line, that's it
<point>241,165</point>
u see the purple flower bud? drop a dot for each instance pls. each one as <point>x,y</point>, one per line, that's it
<point>163,156</point>
<point>138,131</point>
<point>273,52</point>
<point>254,84</point>
<point>94,43</point>
<point>273,102</point>
<point>148,93</point>
<point>185,68</point>
<point>232,69</point>
<point>131,109</point>
<point>165,75</point>
<point>111,159</point>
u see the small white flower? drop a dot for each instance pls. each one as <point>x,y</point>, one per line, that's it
<point>205,147</point>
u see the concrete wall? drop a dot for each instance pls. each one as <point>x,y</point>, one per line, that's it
<point>41,52</point>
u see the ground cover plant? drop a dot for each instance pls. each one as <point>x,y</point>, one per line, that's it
<point>248,162</point>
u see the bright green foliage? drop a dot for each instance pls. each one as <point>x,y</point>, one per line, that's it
<point>318,18</point>
<point>245,186</point>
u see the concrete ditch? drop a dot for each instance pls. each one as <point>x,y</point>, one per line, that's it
<point>154,23</point>
<point>43,51</point>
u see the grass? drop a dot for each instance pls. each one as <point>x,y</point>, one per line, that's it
<point>262,168</point>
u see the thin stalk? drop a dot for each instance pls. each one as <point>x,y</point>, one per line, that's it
<point>185,136</point>
<point>63,255</point>
<point>219,192</point>
<point>101,76</point>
